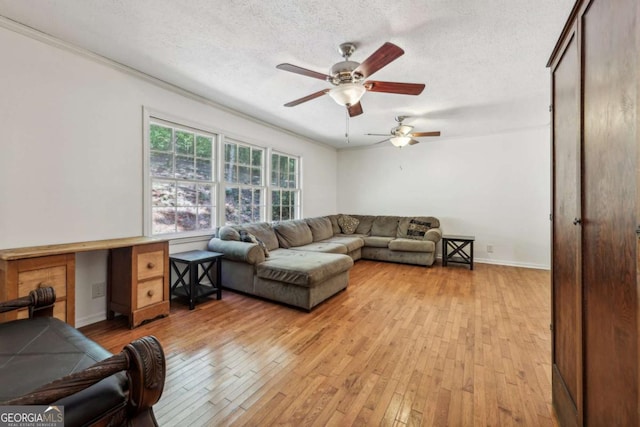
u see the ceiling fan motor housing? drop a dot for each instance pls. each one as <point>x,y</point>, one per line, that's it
<point>342,72</point>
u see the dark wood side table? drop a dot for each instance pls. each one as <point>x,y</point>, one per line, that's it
<point>454,250</point>
<point>193,261</point>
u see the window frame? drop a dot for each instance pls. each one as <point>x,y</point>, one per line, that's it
<point>155,117</point>
<point>276,187</point>
<point>262,207</point>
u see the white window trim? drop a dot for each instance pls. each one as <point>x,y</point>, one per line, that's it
<point>149,115</point>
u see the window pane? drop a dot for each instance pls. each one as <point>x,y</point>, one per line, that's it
<point>244,155</point>
<point>186,220</point>
<point>184,167</point>
<point>256,158</point>
<point>164,220</point>
<point>274,163</point>
<point>285,213</point>
<point>275,213</point>
<point>257,197</point>
<point>163,193</point>
<point>160,138</point>
<point>230,152</point>
<point>184,142</point>
<point>161,165</point>
<point>204,146</point>
<point>231,212</point>
<point>204,218</point>
<point>205,193</point>
<point>186,194</point>
<point>275,198</point>
<point>244,175</point>
<point>203,169</point>
<point>292,181</point>
<point>292,165</point>
<point>256,176</point>
<point>284,166</point>
<point>285,198</point>
<point>228,172</point>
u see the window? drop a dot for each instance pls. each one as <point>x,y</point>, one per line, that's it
<point>244,183</point>
<point>181,177</point>
<point>285,189</point>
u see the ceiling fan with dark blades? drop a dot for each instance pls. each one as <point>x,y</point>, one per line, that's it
<point>349,78</point>
<point>402,134</point>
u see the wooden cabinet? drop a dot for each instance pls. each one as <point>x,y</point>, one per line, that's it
<point>596,215</point>
<point>19,277</point>
<point>139,282</point>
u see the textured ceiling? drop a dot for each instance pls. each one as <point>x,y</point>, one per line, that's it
<point>483,62</point>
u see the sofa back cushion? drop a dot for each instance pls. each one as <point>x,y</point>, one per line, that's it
<point>364,227</point>
<point>263,231</point>
<point>416,223</point>
<point>386,226</point>
<point>321,228</point>
<point>293,233</point>
<point>334,223</point>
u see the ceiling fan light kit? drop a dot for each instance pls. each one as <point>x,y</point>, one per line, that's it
<point>347,94</point>
<point>400,141</point>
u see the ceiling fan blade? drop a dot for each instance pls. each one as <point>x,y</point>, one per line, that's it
<point>394,87</point>
<point>387,53</point>
<point>419,134</point>
<point>303,71</point>
<point>306,98</point>
<point>355,110</point>
<point>377,134</point>
<point>414,142</point>
<point>380,142</point>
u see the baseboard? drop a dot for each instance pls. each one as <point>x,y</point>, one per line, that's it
<point>507,263</point>
<point>88,320</point>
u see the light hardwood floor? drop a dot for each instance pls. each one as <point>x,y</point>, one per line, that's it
<point>403,345</point>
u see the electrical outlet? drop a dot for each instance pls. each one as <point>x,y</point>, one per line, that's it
<point>98,290</point>
<point>489,249</point>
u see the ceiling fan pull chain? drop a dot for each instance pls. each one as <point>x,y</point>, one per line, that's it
<point>346,134</point>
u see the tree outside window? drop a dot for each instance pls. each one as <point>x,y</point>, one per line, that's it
<point>285,191</point>
<point>244,182</point>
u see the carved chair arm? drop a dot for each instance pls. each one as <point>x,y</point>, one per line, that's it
<point>144,361</point>
<point>40,302</point>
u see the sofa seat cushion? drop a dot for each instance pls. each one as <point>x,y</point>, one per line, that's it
<point>377,241</point>
<point>34,352</point>
<point>352,242</point>
<point>410,245</point>
<point>325,247</point>
<point>303,268</point>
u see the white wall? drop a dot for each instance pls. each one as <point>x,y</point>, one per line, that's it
<point>496,188</point>
<point>71,160</point>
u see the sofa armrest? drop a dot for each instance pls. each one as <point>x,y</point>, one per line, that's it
<point>234,250</point>
<point>434,235</point>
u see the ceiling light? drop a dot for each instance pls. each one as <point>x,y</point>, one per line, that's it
<point>347,94</point>
<point>400,141</point>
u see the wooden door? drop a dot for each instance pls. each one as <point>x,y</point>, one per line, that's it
<point>566,289</point>
<point>609,257</point>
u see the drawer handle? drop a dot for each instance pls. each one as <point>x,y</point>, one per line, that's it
<point>150,292</point>
<point>150,265</point>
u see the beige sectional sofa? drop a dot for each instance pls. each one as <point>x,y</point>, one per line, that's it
<point>304,262</point>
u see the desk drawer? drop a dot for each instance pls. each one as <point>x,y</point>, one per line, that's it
<point>50,276</point>
<point>150,264</point>
<point>150,292</point>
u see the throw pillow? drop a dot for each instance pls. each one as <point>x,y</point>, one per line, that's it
<point>250,238</point>
<point>348,224</point>
<point>228,233</point>
<point>417,229</point>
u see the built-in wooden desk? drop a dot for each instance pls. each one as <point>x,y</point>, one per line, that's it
<point>24,269</point>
